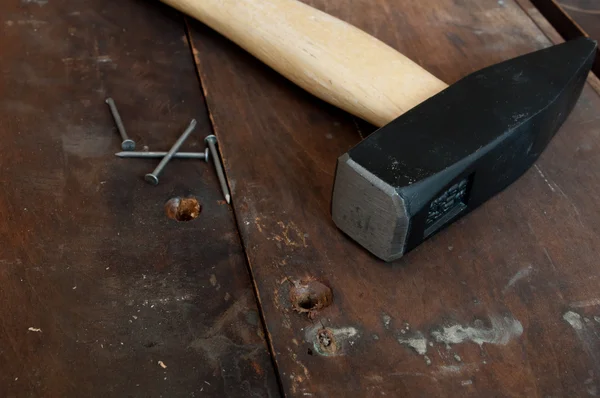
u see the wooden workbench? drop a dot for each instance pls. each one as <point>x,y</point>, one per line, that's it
<point>102,294</point>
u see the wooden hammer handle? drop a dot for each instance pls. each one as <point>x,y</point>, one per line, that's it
<point>329,58</point>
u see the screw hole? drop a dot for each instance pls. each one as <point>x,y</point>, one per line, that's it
<point>326,341</point>
<point>325,338</point>
<point>183,209</point>
<point>307,302</point>
<point>310,296</point>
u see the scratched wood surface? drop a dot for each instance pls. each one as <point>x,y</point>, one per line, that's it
<point>97,285</point>
<point>504,303</point>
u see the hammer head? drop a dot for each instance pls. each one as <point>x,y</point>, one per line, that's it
<point>448,155</point>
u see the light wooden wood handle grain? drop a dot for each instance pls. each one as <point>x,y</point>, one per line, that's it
<point>327,57</point>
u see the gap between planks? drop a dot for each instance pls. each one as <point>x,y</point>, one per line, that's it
<point>198,66</point>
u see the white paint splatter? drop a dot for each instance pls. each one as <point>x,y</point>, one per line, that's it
<point>38,2</point>
<point>518,276</point>
<point>574,320</point>
<point>466,382</point>
<point>386,320</point>
<point>452,370</point>
<point>344,332</point>
<point>37,330</point>
<point>586,303</point>
<point>103,59</point>
<point>501,332</point>
<point>417,343</point>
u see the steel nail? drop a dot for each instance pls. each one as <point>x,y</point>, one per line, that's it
<point>152,178</point>
<point>153,155</point>
<point>211,140</point>
<point>127,144</point>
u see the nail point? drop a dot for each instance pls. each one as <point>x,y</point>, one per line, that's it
<point>228,198</point>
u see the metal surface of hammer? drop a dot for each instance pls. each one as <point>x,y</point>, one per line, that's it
<point>440,151</point>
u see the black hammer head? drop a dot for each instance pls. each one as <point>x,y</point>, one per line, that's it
<point>448,155</point>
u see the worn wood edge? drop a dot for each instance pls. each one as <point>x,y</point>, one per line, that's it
<point>201,79</point>
<point>554,36</point>
<point>563,22</point>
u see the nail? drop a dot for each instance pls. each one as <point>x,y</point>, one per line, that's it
<point>152,178</point>
<point>211,140</point>
<point>127,144</point>
<point>153,155</point>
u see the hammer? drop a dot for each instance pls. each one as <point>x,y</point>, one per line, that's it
<point>439,151</point>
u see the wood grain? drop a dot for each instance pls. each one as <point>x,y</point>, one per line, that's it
<point>97,285</point>
<point>508,297</point>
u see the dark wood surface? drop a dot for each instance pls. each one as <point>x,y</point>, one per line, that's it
<point>586,13</point>
<point>97,284</point>
<point>573,18</point>
<point>513,288</point>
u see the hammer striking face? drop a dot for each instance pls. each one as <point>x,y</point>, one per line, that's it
<point>448,155</point>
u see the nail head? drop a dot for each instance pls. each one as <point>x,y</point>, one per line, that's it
<point>128,145</point>
<point>151,178</point>
<point>210,138</point>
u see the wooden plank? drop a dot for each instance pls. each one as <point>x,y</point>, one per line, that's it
<point>97,284</point>
<point>585,13</point>
<point>513,288</point>
<point>562,21</point>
